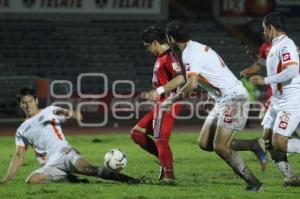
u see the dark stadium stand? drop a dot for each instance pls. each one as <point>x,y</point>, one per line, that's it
<point>61,50</point>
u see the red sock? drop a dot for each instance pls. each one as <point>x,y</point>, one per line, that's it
<point>144,141</point>
<point>165,157</point>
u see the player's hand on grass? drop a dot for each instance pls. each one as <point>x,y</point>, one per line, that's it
<point>257,80</point>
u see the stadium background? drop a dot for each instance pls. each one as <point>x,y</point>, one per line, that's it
<point>87,54</point>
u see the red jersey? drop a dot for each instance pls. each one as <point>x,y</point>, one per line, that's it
<point>264,50</point>
<point>165,69</point>
<point>263,54</point>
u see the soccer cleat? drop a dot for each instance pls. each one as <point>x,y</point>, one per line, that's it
<point>168,181</point>
<point>140,180</point>
<point>261,154</point>
<point>292,182</point>
<point>74,179</point>
<point>144,180</point>
<point>253,188</point>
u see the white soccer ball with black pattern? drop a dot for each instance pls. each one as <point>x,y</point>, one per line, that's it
<point>115,159</point>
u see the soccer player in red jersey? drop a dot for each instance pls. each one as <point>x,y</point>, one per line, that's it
<point>157,122</point>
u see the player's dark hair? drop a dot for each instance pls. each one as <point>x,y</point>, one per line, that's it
<point>275,19</point>
<point>26,91</point>
<point>153,33</point>
<point>178,31</point>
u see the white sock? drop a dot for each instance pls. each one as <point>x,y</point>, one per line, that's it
<point>293,146</point>
<point>286,170</point>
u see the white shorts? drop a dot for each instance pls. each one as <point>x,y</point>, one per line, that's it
<point>231,112</point>
<point>59,165</point>
<point>283,121</point>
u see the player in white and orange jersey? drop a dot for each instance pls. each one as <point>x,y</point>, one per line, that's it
<point>206,68</point>
<point>279,158</point>
<point>42,130</point>
<point>283,115</point>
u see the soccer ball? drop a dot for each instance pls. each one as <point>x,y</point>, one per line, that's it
<point>115,159</point>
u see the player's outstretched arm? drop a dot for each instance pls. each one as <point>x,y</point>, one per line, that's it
<point>68,114</point>
<point>288,73</point>
<point>173,84</point>
<point>192,83</point>
<point>15,164</point>
<point>254,68</point>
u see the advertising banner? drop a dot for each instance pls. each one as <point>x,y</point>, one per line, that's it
<point>101,7</point>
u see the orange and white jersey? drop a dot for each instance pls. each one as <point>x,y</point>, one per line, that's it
<point>208,66</point>
<point>282,54</point>
<point>43,132</point>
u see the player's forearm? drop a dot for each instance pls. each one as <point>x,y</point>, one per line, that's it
<point>69,114</point>
<point>285,75</point>
<point>189,86</point>
<point>255,68</point>
<point>174,83</point>
<point>13,167</point>
<point>261,62</point>
<point>75,115</point>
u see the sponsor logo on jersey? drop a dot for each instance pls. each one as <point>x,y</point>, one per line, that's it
<point>228,114</point>
<point>286,56</point>
<point>228,119</point>
<point>284,120</point>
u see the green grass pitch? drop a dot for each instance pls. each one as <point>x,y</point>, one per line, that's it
<point>199,174</point>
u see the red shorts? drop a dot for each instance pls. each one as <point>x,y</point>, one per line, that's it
<point>159,122</point>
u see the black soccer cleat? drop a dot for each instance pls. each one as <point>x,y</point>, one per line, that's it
<point>293,182</point>
<point>255,188</point>
<point>140,180</point>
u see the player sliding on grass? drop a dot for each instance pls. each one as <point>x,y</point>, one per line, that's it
<point>283,115</point>
<point>42,130</point>
<point>206,68</point>
<point>167,75</point>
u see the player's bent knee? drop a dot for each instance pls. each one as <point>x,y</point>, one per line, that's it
<point>133,134</point>
<point>220,148</point>
<point>204,146</point>
<point>279,143</point>
<point>86,170</point>
<point>37,178</point>
<point>136,136</point>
